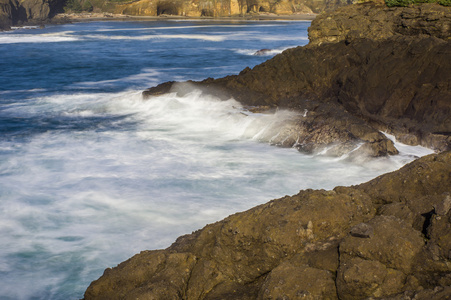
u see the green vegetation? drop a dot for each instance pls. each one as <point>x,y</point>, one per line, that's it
<point>391,3</point>
<point>72,6</point>
<point>77,6</point>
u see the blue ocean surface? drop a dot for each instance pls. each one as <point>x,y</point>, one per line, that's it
<point>91,174</point>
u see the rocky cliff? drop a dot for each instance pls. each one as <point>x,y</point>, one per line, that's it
<point>367,68</point>
<point>17,12</point>
<point>378,22</point>
<point>389,238</point>
<point>226,8</point>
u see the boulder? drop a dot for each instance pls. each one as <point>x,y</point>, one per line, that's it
<point>340,244</point>
<point>5,15</point>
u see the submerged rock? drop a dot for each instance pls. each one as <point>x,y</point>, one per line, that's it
<point>306,246</point>
<point>262,52</point>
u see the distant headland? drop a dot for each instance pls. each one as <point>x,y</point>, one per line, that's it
<point>30,12</point>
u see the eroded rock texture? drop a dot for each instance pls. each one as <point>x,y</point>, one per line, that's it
<point>373,21</point>
<point>15,12</point>
<point>226,8</point>
<point>354,84</point>
<point>388,238</point>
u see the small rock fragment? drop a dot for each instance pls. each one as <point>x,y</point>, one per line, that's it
<point>362,230</point>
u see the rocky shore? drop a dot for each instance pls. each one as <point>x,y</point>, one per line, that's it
<point>41,12</point>
<point>389,238</point>
<point>367,68</point>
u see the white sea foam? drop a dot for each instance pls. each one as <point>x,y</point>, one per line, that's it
<point>204,37</point>
<point>167,167</point>
<point>23,91</point>
<point>147,75</point>
<point>268,52</point>
<point>24,27</point>
<point>69,36</point>
<point>56,37</point>
<point>89,179</point>
<point>212,37</point>
<point>406,150</point>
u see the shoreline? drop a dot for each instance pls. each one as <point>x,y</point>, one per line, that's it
<point>89,17</point>
<point>67,18</point>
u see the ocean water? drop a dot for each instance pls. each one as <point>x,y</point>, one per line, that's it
<point>91,174</point>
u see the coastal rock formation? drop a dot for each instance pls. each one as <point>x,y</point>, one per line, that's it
<point>389,238</point>
<point>224,8</point>
<point>16,12</point>
<point>381,22</point>
<point>354,87</point>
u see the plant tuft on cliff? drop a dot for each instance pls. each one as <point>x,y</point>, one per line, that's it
<point>393,3</point>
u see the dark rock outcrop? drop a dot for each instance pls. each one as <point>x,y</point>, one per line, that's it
<point>30,12</point>
<point>5,15</point>
<point>227,8</point>
<point>377,22</point>
<point>354,87</point>
<point>389,238</point>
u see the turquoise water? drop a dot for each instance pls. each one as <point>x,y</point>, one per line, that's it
<point>91,174</point>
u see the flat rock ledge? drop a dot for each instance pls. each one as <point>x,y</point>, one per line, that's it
<point>366,69</point>
<point>389,238</point>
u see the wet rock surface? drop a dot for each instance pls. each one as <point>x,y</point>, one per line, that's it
<point>341,244</point>
<point>389,238</point>
<point>377,21</point>
<point>354,87</point>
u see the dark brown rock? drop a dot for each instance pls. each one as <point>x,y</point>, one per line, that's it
<point>287,281</point>
<point>5,15</point>
<point>351,89</point>
<point>388,238</point>
<point>293,247</point>
<point>376,21</point>
<point>347,85</point>
<point>362,230</point>
<point>30,12</point>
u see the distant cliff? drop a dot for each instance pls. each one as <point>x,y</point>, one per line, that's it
<point>16,12</point>
<point>225,8</point>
